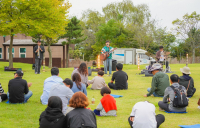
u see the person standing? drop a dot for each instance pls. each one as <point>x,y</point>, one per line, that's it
<point>108,61</point>
<point>160,56</point>
<point>38,50</point>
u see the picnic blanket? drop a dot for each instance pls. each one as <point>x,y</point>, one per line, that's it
<point>190,126</point>
<point>175,112</point>
<point>116,96</point>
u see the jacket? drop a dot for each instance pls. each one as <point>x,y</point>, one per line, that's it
<point>169,93</point>
<point>41,52</point>
<point>158,54</point>
<point>160,82</point>
<point>81,118</point>
<point>184,82</point>
<point>52,118</point>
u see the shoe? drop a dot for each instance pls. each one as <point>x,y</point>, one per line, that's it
<point>160,109</point>
<point>35,72</point>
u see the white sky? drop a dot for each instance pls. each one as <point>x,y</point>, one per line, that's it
<point>163,10</point>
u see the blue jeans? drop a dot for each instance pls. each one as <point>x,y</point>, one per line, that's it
<point>108,62</point>
<point>26,96</point>
<point>155,95</point>
<point>97,112</point>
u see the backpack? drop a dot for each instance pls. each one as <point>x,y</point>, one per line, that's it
<point>180,99</point>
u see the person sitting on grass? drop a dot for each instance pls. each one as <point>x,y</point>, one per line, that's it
<point>187,81</point>
<point>160,81</point>
<point>80,117</point>
<point>54,79</point>
<point>18,89</point>
<point>120,77</point>
<point>107,106</point>
<point>143,116</point>
<point>3,96</point>
<point>63,90</point>
<point>170,94</point>
<point>83,72</point>
<point>77,85</point>
<point>52,117</point>
<point>98,81</point>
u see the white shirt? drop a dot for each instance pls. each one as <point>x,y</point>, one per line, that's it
<point>144,115</point>
<point>63,92</point>
<point>161,56</point>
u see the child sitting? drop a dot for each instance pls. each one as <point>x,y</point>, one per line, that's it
<point>107,106</point>
<point>3,96</point>
<point>98,81</point>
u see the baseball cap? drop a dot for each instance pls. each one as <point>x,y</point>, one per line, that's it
<point>154,67</point>
<point>19,73</point>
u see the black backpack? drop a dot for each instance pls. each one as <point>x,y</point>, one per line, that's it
<point>180,99</point>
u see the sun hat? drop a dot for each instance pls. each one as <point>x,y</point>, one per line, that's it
<point>185,70</point>
<point>154,67</point>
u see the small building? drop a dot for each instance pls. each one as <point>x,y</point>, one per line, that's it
<point>22,50</point>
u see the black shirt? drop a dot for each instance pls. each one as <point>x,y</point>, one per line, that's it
<point>120,78</point>
<point>16,88</point>
<point>81,118</point>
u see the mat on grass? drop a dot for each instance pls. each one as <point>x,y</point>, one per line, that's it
<point>190,126</point>
<point>116,96</point>
<point>175,112</point>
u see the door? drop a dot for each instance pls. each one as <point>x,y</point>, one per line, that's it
<point>128,57</point>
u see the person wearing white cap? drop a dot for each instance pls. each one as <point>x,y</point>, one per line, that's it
<point>187,81</point>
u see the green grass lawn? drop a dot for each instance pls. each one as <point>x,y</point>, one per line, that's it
<point>27,115</point>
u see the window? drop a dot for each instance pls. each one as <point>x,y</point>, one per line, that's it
<point>0,53</point>
<point>13,51</point>
<point>22,52</point>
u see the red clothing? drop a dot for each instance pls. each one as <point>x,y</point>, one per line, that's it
<point>109,103</point>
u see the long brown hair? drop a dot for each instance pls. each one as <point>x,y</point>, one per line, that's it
<point>83,69</point>
<point>77,79</point>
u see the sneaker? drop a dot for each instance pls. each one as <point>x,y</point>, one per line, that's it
<point>35,72</point>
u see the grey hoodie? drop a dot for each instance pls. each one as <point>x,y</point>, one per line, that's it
<point>169,93</point>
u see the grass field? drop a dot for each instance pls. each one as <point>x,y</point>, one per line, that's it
<point>27,115</point>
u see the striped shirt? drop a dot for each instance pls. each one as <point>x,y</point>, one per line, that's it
<point>1,89</point>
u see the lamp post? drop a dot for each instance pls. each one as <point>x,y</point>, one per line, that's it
<point>98,62</point>
<point>138,62</point>
<point>186,60</point>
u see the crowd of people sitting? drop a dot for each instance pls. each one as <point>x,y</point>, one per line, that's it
<point>67,100</point>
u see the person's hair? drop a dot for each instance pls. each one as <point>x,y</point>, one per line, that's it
<point>161,47</point>
<point>174,78</point>
<point>186,74</point>
<point>105,90</point>
<point>19,75</point>
<point>119,66</point>
<point>54,71</point>
<point>83,69</point>
<point>107,41</point>
<point>79,100</point>
<point>38,41</point>
<point>55,102</point>
<point>67,81</point>
<point>77,79</point>
<point>100,72</point>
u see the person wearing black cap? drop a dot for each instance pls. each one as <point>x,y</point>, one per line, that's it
<point>38,50</point>
<point>160,57</point>
<point>18,89</point>
<point>120,77</point>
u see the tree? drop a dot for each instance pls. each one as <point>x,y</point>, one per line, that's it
<point>73,35</point>
<point>188,30</point>
<point>31,17</point>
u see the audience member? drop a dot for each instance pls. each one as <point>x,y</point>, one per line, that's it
<point>18,89</point>
<point>170,96</point>
<point>63,90</point>
<point>83,72</point>
<point>143,116</point>
<point>187,81</point>
<point>3,96</point>
<point>54,79</point>
<point>98,81</point>
<point>107,106</point>
<point>160,81</point>
<point>52,117</point>
<point>77,85</point>
<point>120,77</point>
<point>80,117</point>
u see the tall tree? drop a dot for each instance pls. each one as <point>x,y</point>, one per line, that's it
<point>187,29</point>
<point>31,17</point>
<point>73,35</point>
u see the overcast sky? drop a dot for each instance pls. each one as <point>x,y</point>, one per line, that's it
<point>163,10</point>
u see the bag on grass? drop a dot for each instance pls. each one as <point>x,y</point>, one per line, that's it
<point>180,99</point>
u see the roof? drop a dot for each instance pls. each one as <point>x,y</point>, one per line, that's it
<point>28,42</point>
